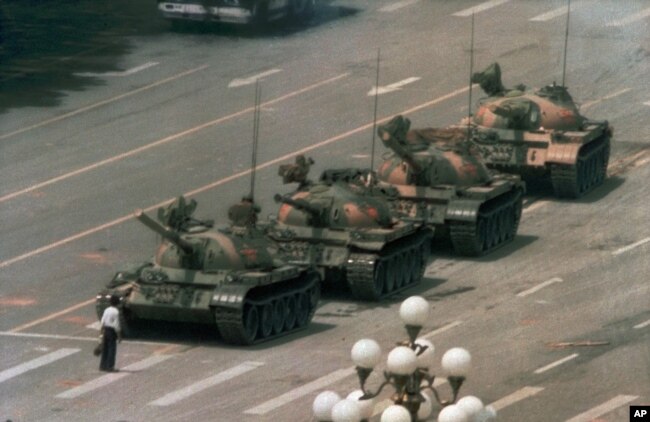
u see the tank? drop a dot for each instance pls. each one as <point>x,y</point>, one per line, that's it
<point>540,134</point>
<point>448,185</point>
<point>343,226</point>
<point>233,277</point>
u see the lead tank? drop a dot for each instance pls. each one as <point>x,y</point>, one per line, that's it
<point>449,187</point>
<point>540,134</point>
<point>233,277</point>
<point>345,228</point>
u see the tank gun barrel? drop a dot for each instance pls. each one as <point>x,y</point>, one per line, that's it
<point>299,204</point>
<point>165,232</point>
<point>391,142</point>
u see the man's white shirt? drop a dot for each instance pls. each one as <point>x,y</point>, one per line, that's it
<point>110,318</point>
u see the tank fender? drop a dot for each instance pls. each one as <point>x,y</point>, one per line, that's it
<point>563,153</point>
<point>463,210</point>
<point>229,296</point>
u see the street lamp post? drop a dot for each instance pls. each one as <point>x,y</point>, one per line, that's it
<point>409,376</point>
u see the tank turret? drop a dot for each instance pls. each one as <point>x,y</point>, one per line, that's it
<point>449,187</point>
<point>540,135</point>
<point>234,277</point>
<point>346,229</point>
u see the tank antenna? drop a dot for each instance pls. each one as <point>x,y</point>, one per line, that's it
<point>256,131</point>
<point>374,118</point>
<point>471,70</point>
<point>566,40</point>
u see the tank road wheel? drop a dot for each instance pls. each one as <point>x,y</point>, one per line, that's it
<point>391,274</point>
<point>278,316</point>
<point>379,278</point>
<point>266,320</point>
<point>505,225</point>
<point>260,13</point>
<point>251,323</point>
<point>301,10</point>
<point>290,312</point>
<point>416,266</point>
<point>401,271</point>
<point>314,296</point>
<point>302,309</point>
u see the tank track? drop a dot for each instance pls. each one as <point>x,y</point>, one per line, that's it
<point>497,224</point>
<point>589,171</point>
<point>275,313</point>
<point>396,268</point>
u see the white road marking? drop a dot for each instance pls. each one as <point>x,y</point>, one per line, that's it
<point>54,315</point>
<point>441,329</point>
<point>606,97</point>
<point>606,407</point>
<point>550,15</point>
<point>382,405</point>
<point>631,18</point>
<point>104,380</point>
<point>35,363</point>
<point>104,102</point>
<point>97,325</point>
<point>60,337</point>
<point>540,286</point>
<point>396,6</point>
<point>534,206</point>
<point>392,87</point>
<point>120,74</point>
<point>632,246</point>
<point>243,173</point>
<point>167,139</point>
<point>197,387</point>
<point>301,391</point>
<point>647,103</point>
<point>235,83</point>
<point>513,398</point>
<point>556,363</point>
<point>480,8</point>
<point>642,325</point>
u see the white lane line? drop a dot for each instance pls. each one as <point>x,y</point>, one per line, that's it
<point>197,387</point>
<point>104,380</point>
<point>35,363</point>
<point>441,329</point>
<point>540,286</point>
<point>104,102</point>
<point>120,74</point>
<point>534,206</point>
<point>556,363</point>
<point>606,97</point>
<point>299,392</point>
<point>382,405</point>
<point>396,6</point>
<point>606,407</point>
<point>392,87</point>
<point>97,325</point>
<point>235,83</point>
<point>54,315</point>
<point>642,325</point>
<point>631,18</point>
<point>480,8</point>
<point>632,246</point>
<point>168,139</point>
<point>243,173</point>
<point>647,103</point>
<point>550,15</point>
<point>59,337</point>
<point>513,398</point>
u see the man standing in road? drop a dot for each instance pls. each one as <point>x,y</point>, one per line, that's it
<point>112,333</point>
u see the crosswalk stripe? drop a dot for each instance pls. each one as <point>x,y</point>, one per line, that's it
<point>296,393</point>
<point>110,378</point>
<point>550,15</point>
<point>480,8</point>
<point>197,387</point>
<point>600,410</point>
<point>35,363</point>
<point>556,363</point>
<point>513,398</point>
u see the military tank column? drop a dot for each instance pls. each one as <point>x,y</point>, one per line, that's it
<point>231,277</point>
<point>540,134</point>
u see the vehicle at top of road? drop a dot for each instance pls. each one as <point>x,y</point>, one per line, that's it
<point>236,11</point>
<point>450,187</point>
<point>540,134</point>
<point>233,277</point>
<point>343,226</point>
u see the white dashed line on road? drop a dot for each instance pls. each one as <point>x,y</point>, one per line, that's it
<point>299,392</point>
<point>631,18</point>
<point>642,325</point>
<point>197,387</point>
<point>235,83</point>
<point>588,104</point>
<point>632,246</point>
<point>606,407</point>
<point>392,87</point>
<point>480,8</point>
<point>513,398</point>
<point>123,73</point>
<point>647,103</point>
<point>36,363</point>
<point>550,15</point>
<point>396,6</point>
<point>540,286</point>
<point>110,378</point>
<point>556,363</point>
<point>441,329</point>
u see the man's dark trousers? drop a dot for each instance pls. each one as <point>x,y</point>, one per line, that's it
<point>109,350</point>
